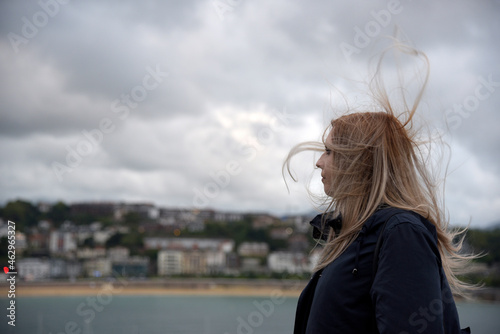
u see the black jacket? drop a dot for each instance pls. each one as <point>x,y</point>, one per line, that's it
<point>407,292</point>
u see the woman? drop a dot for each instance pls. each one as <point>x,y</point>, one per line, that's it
<point>389,262</point>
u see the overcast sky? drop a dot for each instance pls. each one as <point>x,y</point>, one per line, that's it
<point>196,103</point>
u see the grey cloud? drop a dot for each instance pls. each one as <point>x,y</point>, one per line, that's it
<point>266,57</point>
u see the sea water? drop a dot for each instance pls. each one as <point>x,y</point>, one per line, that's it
<point>182,315</point>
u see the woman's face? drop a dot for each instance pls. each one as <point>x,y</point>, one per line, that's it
<point>325,163</point>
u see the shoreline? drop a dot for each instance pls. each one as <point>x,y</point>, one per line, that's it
<point>186,287</point>
<point>182,287</point>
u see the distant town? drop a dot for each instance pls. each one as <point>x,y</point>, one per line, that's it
<point>139,240</point>
<point>59,241</point>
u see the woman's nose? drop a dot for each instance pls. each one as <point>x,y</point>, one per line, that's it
<point>319,163</point>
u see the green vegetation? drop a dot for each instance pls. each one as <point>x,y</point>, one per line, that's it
<point>3,250</point>
<point>58,213</point>
<point>23,213</point>
<point>485,242</point>
<point>27,215</point>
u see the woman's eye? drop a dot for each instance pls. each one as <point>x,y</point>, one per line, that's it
<point>327,151</point>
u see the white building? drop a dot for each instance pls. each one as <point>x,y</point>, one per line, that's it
<point>216,261</point>
<point>169,262</point>
<point>228,216</point>
<point>62,242</point>
<point>82,233</point>
<point>97,267</point>
<point>224,245</point>
<point>100,237</point>
<point>21,242</point>
<point>33,269</point>
<point>195,261</point>
<point>294,263</point>
<point>90,253</point>
<point>253,249</point>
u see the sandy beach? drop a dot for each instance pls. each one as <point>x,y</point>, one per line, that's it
<point>159,287</point>
<point>184,287</point>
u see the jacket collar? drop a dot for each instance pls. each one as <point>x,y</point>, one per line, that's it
<point>321,226</point>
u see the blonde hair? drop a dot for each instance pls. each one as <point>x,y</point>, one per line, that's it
<point>377,159</point>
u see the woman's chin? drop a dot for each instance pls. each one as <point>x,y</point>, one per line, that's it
<point>327,190</point>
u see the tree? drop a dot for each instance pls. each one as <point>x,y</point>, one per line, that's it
<point>114,240</point>
<point>131,219</point>
<point>58,213</point>
<point>132,241</point>
<point>89,242</point>
<point>4,249</point>
<point>23,213</point>
<point>486,242</point>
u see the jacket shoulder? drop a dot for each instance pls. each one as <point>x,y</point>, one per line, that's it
<point>391,217</point>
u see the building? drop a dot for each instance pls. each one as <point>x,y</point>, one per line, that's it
<point>281,233</point>
<point>100,209</point>
<point>136,266</point>
<point>33,269</point>
<point>264,221</point>
<point>146,211</point>
<point>3,228</point>
<point>174,262</point>
<point>58,268</point>
<point>298,243</point>
<point>38,241</point>
<point>300,222</point>
<point>191,256</point>
<point>193,220</point>
<point>97,267</point>
<point>224,245</point>
<point>118,254</point>
<point>288,262</point>
<point>194,262</point>
<point>100,237</point>
<point>90,253</point>
<point>257,249</point>
<point>62,242</point>
<point>83,232</point>
<point>21,242</point>
<point>251,264</point>
<point>74,269</point>
<point>169,262</point>
<point>227,216</point>
<point>36,269</point>
<point>217,262</point>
